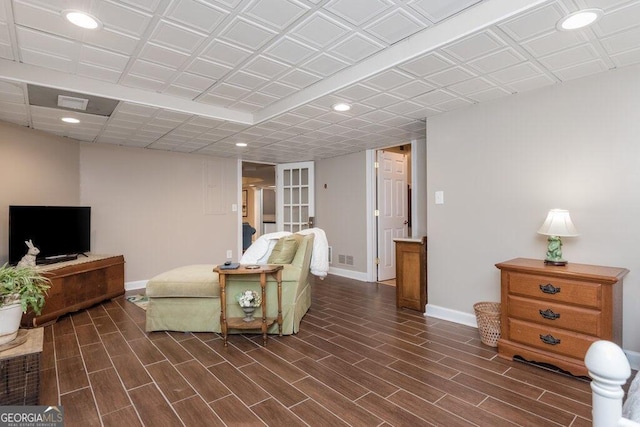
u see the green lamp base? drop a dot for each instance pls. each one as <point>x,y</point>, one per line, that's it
<point>554,252</point>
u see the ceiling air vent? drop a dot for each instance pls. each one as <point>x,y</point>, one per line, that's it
<point>72,102</point>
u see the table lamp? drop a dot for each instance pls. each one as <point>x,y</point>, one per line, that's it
<point>558,224</point>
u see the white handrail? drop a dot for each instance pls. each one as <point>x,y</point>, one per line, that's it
<point>609,370</point>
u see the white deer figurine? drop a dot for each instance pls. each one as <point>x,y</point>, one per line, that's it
<point>29,260</point>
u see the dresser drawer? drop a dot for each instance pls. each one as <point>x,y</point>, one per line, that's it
<point>556,290</point>
<point>562,316</point>
<point>554,340</point>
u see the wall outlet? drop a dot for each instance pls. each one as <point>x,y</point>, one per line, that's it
<point>229,253</point>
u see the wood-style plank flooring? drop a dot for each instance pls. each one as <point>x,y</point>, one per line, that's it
<point>357,360</point>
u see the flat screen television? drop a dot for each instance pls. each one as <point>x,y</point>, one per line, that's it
<point>58,231</point>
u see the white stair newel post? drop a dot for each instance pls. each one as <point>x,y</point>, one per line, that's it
<point>609,370</point>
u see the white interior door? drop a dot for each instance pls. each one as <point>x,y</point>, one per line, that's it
<point>392,209</point>
<point>295,201</point>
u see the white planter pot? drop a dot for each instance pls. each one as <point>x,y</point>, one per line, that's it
<point>10,316</point>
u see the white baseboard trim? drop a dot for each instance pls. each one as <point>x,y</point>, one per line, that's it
<point>140,284</point>
<point>451,315</point>
<point>350,274</point>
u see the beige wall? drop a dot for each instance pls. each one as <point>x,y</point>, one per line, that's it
<point>150,206</point>
<point>502,165</point>
<point>341,208</point>
<point>37,169</point>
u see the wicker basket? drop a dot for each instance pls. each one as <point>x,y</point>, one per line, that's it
<point>488,318</point>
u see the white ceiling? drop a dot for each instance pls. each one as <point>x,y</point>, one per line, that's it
<point>198,76</point>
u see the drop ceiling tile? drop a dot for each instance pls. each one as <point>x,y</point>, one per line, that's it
<point>333,117</point>
<point>6,51</point>
<point>388,79</point>
<point>517,72</point>
<point>122,18</point>
<point>176,37</point>
<point>140,82</point>
<point>113,40</point>
<point>193,81</point>
<point>299,78</point>
<point>471,86</point>
<point>357,12</point>
<point>623,41</point>
<point>43,16</point>
<point>533,23</point>
<point>11,92</point>
<point>356,47</point>
<point>532,83</point>
<point>246,80</point>
<point>377,116</point>
<point>289,50</point>
<point>229,91</point>
<point>206,68</point>
<point>324,64</point>
<point>219,51</point>
<point>479,44</point>
<point>496,61</point>
<point>289,119</point>
<point>36,41</point>
<point>47,61</point>
<point>247,34</point>
<point>98,73</point>
<point>308,111</point>
<point>356,92</point>
<point>427,64</point>
<point>436,11</point>
<point>434,97</point>
<point>453,104</point>
<point>278,90</point>
<point>404,107</point>
<point>412,89</point>
<point>355,123</point>
<point>162,55</point>
<point>581,69</point>
<point>449,77</point>
<point>261,99</point>
<point>319,30</point>
<point>622,19</point>
<point>395,26</point>
<point>624,59</point>
<point>181,91</point>
<point>313,124</point>
<point>150,70</point>
<point>147,5</point>
<point>570,57</point>
<point>265,67</point>
<point>202,16</point>
<point>554,42</point>
<point>276,13</point>
<point>136,110</point>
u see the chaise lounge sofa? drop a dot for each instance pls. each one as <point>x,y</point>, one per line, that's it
<point>187,299</point>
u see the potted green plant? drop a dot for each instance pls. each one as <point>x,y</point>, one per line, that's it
<point>21,289</point>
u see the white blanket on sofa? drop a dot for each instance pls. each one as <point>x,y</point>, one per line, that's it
<point>259,251</point>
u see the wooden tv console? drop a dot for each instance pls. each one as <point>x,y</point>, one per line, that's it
<point>78,284</point>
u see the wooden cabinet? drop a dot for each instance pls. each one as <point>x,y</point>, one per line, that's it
<point>552,314</point>
<point>411,273</point>
<point>79,284</point>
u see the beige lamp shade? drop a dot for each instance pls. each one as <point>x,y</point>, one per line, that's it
<point>558,223</point>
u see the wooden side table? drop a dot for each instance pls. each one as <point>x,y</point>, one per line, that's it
<point>238,322</point>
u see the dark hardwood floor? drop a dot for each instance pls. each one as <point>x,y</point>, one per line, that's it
<point>357,360</point>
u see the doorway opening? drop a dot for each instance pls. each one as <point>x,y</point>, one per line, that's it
<point>258,201</point>
<point>393,207</point>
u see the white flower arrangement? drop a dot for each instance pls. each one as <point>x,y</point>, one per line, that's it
<point>248,298</point>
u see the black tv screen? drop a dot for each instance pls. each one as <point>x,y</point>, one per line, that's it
<point>55,230</point>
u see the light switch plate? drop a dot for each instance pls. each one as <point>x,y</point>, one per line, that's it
<point>439,197</point>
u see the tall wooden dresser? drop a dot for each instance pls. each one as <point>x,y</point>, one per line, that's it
<point>552,314</point>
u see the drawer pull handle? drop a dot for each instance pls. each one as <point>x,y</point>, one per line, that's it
<point>549,314</point>
<point>550,339</point>
<point>549,289</point>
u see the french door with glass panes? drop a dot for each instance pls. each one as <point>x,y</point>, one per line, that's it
<point>294,196</point>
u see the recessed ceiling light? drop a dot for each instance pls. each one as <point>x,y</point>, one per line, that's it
<point>70,120</point>
<point>579,19</point>
<point>241,144</point>
<point>82,19</point>
<point>341,106</point>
